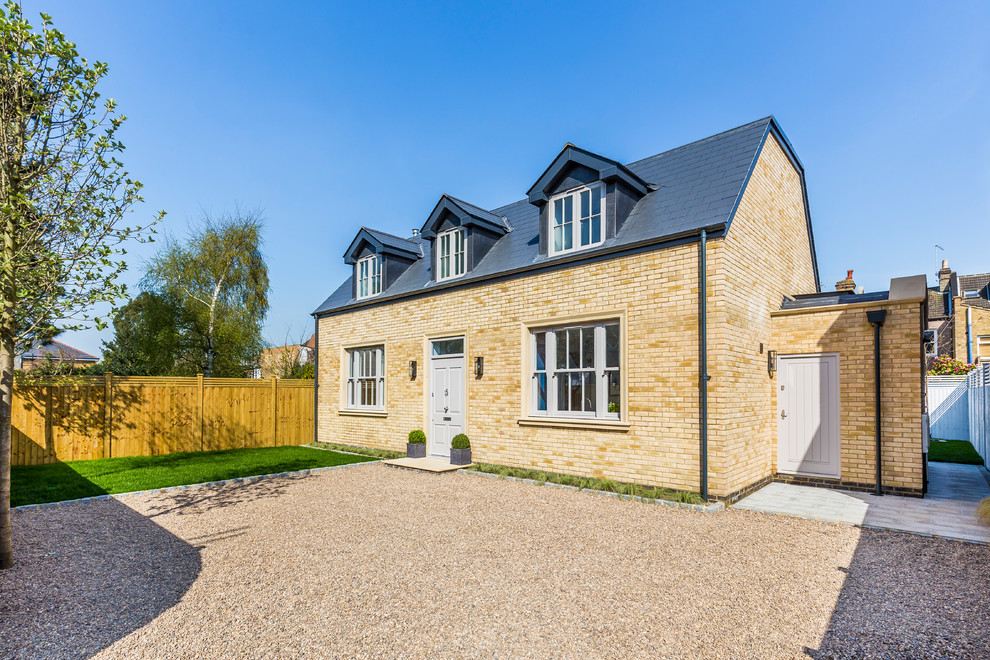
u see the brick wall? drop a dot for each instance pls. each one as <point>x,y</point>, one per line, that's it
<point>766,254</point>
<point>845,330</point>
<point>655,291</point>
<point>981,326</point>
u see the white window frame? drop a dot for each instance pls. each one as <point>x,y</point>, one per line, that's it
<point>971,293</point>
<point>553,373</point>
<point>451,254</point>
<point>369,276</point>
<point>365,364</point>
<point>983,348</point>
<point>574,197</point>
<point>933,343</point>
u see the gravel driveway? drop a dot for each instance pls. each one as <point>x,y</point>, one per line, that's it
<point>374,561</point>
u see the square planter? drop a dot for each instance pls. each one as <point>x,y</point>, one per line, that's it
<point>460,456</point>
<point>415,450</point>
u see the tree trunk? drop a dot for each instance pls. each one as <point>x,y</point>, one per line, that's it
<point>6,399</point>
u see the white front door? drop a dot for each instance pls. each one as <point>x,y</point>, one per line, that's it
<point>446,394</point>
<point>808,415</point>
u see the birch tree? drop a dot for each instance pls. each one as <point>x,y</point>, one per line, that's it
<point>221,276</point>
<point>64,195</point>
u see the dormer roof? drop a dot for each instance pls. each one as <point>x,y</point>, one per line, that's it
<point>465,214</point>
<point>381,243</point>
<point>608,170</point>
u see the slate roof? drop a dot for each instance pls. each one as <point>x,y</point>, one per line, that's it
<point>391,240</point>
<point>471,209</point>
<point>937,307</point>
<point>699,186</point>
<point>832,298</point>
<point>978,282</point>
<point>57,350</point>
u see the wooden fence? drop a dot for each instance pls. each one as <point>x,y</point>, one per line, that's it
<point>77,418</point>
<point>979,410</point>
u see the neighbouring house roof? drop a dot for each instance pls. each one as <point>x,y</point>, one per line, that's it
<point>58,351</point>
<point>978,282</point>
<point>311,342</point>
<point>937,307</point>
<point>693,187</point>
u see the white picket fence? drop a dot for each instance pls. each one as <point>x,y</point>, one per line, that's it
<point>978,382</point>
<point>948,407</point>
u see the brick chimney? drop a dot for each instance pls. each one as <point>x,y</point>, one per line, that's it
<point>846,284</point>
<point>944,276</point>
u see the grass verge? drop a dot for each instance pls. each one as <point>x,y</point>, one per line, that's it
<point>364,451</point>
<point>953,451</point>
<point>54,482</point>
<point>586,483</point>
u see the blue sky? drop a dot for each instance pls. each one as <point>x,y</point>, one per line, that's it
<point>331,116</point>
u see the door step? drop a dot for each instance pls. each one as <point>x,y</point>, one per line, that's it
<point>427,464</point>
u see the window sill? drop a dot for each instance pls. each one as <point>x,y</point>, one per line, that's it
<point>363,413</point>
<point>590,424</point>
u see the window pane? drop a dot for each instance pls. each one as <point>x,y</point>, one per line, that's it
<point>588,348</point>
<point>558,239</point>
<point>541,351</point>
<point>568,208</point>
<point>563,393</point>
<point>561,337</point>
<point>596,229</point>
<point>585,203</point>
<point>573,348</point>
<point>575,380</point>
<point>448,347</point>
<point>585,232</point>
<point>558,212</point>
<point>541,391</point>
<point>568,239</point>
<point>613,391</point>
<point>596,201</point>
<point>590,391</point>
<point>612,345</point>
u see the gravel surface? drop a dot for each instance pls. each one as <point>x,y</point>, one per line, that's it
<point>375,561</point>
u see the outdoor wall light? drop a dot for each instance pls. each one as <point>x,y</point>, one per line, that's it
<point>412,370</point>
<point>772,362</point>
<point>479,366</point>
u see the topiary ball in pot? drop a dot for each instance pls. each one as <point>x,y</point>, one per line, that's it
<point>416,444</point>
<point>460,450</point>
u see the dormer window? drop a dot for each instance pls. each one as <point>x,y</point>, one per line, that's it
<point>369,271</point>
<point>452,254</point>
<point>577,219</point>
<point>971,293</point>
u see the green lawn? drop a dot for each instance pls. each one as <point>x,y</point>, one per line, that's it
<point>953,451</point>
<point>71,480</point>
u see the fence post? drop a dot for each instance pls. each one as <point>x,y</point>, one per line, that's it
<point>274,411</point>
<point>202,412</point>
<point>108,416</point>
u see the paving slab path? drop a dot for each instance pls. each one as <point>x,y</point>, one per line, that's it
<point>948,510</point>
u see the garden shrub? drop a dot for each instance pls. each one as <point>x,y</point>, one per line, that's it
<point>946,366</point>
<point>460,441</point>
<point>417,437</point>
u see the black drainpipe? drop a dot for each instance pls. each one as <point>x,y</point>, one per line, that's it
<point>316,380</point>
<point>876,317</point>
<point>703,368</point>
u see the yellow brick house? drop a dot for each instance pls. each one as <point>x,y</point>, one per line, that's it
<point>634,321</point>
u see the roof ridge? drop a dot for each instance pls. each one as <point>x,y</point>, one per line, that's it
<point>385,233</point>
<point>768,118</point>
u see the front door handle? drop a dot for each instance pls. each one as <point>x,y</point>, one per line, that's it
<point>783,414</point>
